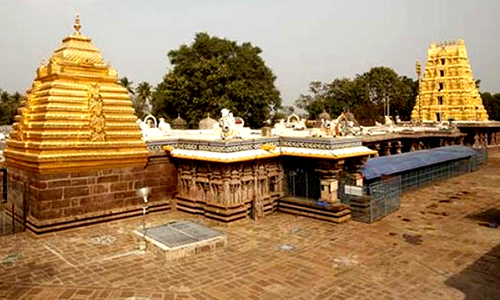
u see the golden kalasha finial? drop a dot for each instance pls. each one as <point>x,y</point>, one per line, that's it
<point>77,25</point>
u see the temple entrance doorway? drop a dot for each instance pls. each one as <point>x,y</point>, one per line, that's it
<point>302,179</point>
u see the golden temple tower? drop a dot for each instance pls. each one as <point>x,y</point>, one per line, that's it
<point>447,89</point>
<point>75,115</point>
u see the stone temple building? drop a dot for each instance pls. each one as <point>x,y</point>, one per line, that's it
<point>76,151</point>
<point>76,155</point>
<point>447,89</point>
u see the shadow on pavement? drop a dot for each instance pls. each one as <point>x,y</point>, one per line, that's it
<point>488,218</point>
<point>481,280</point>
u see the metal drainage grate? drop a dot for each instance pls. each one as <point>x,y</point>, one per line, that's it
<point>180,233</point>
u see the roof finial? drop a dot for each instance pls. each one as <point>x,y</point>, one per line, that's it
<point>77,25</point>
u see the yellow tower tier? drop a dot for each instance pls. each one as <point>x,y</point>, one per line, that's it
<point>447,89</point>
<point>75,116</point>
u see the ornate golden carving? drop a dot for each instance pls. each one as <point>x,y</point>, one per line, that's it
<point>97,119</point>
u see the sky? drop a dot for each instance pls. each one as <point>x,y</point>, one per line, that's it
<point>302,41</point>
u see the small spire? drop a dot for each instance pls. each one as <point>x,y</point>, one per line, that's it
<point>418,68</point>
<point>77,25</point>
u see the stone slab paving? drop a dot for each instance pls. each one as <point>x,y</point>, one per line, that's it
<point>438,246</point>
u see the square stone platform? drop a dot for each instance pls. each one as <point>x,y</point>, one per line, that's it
<point>183,238</point>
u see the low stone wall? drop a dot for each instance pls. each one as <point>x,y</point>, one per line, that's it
<point>57,201</point>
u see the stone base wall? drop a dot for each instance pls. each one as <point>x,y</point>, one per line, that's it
<point>227,213</point>
<point>332,212</point>
<point>57,201</point>
<point>230,192</point>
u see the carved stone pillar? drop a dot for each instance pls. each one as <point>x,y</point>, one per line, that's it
<point>477,143</point>
<point>387,149</point>
<point>352,172</point>
<point>398,145</point>
<point>257,201</point>
<point>484,140</point>
<point>329,175</point>
<point>491,140</point>
<point>226,188</point>
<point>376,147</point>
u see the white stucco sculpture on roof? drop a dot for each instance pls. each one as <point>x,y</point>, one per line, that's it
<point>163,126</point>
<point>325,130</point>
<point>229,125</point>
<point>344,125</point>
<point>150,126</point>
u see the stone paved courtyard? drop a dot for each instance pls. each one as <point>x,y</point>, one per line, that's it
<point>436,247</point>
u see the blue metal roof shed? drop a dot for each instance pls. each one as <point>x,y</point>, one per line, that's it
<point>388,165</point>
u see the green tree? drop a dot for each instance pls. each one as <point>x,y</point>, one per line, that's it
<point>8,106</point>
<point>492,105</point>
<point>368,96</point>
<point>136,100</point>
<point>390,93</point>
<point>316,101</point>
<point>127,84</point>
<point>143,102</point>
<point>214,73</point>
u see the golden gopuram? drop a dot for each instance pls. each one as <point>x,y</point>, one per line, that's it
<point>76,150</point>
<point>447,88</point>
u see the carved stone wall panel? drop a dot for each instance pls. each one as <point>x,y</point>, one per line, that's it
<point>229,185</point>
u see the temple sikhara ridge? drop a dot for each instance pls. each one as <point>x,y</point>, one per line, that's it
<point>447,89</point>
<point>75,114</point>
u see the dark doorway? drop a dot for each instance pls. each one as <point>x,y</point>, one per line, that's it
<point>302,179</point>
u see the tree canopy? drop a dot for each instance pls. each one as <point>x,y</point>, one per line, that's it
<point>366,95</point>
<point>8,106</point>
<point>214,73</point>
<point>140,96</point>
<point>492,105</point>
<point>143,101</point>
<point>126,83</point>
